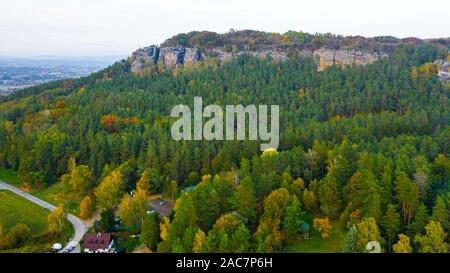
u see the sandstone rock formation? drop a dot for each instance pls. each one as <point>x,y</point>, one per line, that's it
<point>168,56</point>
<point>328,57</point>
<point>174,56</point>
<point>444,70</point>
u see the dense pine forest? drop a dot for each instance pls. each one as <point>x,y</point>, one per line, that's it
<point>362,148</point>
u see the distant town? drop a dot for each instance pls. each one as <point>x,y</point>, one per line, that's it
<point>21,73</point>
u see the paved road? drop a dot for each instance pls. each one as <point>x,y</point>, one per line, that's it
<point>80,227</point>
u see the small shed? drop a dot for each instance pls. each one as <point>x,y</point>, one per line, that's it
<point>304,230</point>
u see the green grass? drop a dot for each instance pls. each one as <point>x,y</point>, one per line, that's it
<point>10,177</point>
<point>52,194</point>
<point>315,243</point>
<point>15,209</point>
<point>56,195</point>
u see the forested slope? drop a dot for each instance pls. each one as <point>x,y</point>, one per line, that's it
<point>367,146</point>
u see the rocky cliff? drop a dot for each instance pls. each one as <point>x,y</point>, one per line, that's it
<point>444,69</point>
<point>174,56</point>
<point>328,57</point>
<point>167,56</point>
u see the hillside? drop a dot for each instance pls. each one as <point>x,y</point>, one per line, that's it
<point>364,141</point>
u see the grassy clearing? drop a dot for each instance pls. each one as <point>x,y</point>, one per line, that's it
<point>52,194</point>
<point>57,196</point>
<point>15,209</point>
<point>10,177</point>
<point>315,243</point>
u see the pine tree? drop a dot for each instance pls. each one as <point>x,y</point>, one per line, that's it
<point>407,195</point>
<point>330,197</point>
<point>350,240</point>
<point>420,220</point>
<point>391,223</point>
<point>440,212</point>
<point>292,221</point>
<point>150,231</point>
<point>244,200</point>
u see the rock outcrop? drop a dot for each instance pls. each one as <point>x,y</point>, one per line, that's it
<point>444,69</point>
<point>145,55</point>
<point>174,56</point>
<point>328,57</point>
<point>167,56</point>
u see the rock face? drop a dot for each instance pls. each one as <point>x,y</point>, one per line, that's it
<point>167,56</point>
<point>328,57</point>
<point>191,55</point>
<point>140,57</point>
<point>444,70</point>
<point>174,56</point>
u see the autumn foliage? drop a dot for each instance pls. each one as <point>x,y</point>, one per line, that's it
<point>112,123</point>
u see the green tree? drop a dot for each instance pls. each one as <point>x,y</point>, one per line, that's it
<point>150,231</point>
<point>107,220</point>
<point>244,200</point>
<point>330,197</point>
<point>440,213</point>
<point>350,240</point>
<point>420,220</point>
<point>293,218</point>
<point>407,195</point>
<point>362,193</point>
<point>80,177</point>
<point>228,235</point>
<point>310,201</point>
<point>391,223</point>
<point>367,231</point>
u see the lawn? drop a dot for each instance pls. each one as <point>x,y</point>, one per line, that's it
<point>57,196</point>
<point>10,177</point>
<point>15,209</point>
<point>52,194</point>
<point>315,243</point>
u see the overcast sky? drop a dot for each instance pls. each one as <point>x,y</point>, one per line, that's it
<point>117,27</point>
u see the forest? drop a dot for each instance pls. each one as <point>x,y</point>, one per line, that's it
<point>365,148</point>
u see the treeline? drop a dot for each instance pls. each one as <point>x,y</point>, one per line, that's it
<point>250,40</point>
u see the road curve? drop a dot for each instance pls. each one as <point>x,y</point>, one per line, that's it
<point>80,227</point>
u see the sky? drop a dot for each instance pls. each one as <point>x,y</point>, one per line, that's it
<point>118,27</point>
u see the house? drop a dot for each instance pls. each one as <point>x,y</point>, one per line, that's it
<point>98,242</point>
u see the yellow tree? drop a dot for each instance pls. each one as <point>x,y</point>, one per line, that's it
<point>367,231</point>
<point>403,245</point>
<point>55,220</point>
<point>87,207</point>
<point>164,227</point>
<point>199,238</point>
<point>323,226</point>
<point>143,183</point>
<point>434,240</point>
<point>110,190</point>
<point>132,209</point>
